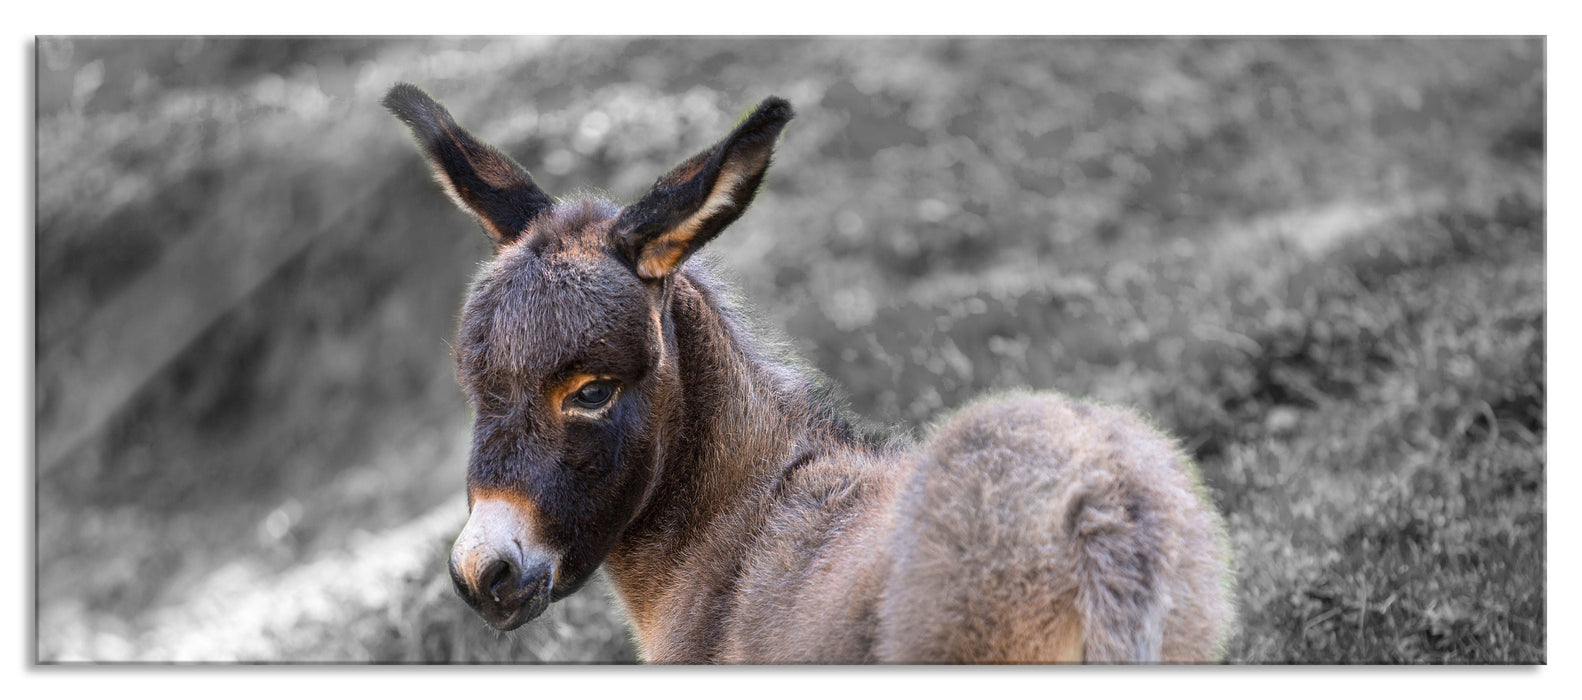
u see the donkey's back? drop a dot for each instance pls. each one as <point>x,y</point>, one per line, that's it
<point>1026,529</point>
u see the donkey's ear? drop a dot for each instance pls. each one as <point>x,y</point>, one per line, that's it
<point>481,180</point>
<point>691,204</point>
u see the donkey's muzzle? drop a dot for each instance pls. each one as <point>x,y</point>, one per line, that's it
<point>506,583</point>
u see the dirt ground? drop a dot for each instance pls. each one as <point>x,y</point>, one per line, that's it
<point>1319,263</point>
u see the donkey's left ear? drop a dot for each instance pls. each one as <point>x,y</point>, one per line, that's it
<point>692,203</point>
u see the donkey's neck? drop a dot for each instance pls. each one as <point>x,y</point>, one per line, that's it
<point>741,417</point>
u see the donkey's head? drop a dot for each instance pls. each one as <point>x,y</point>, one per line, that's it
<point>566,352</point>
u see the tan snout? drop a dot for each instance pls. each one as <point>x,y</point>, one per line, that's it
<point>497,564</point>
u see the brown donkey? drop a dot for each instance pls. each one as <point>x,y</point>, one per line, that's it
<point>626,417</point>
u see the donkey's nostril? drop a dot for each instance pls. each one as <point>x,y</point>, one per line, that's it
<point>498,578</point>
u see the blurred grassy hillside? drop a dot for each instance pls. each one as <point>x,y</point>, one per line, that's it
<point>1317,262</point>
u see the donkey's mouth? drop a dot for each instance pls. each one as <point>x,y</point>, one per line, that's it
<point>509,613</point>
<point>505,622</point>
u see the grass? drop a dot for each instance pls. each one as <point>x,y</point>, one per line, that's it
<point>1317,262</point>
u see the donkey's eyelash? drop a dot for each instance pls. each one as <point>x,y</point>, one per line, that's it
<point>580,412</point>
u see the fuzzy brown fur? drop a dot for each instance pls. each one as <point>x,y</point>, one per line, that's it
<point>739,516</point>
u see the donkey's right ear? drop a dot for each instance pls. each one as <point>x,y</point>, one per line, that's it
<point>480,179</point>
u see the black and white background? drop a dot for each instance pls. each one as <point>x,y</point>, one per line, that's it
<point>1318,262</point>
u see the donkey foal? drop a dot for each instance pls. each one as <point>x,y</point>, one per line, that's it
<point>626,417</point>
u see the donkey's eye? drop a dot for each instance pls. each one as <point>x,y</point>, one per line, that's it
<point>594,394</point>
